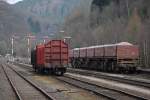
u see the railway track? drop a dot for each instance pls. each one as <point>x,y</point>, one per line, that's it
<point>12,85</point>
<point>147,71</point>
<point>123,78</point>
<point>109,93</point>
<point>29,68</point>
<point>24,66</point>
<point>23,87</point>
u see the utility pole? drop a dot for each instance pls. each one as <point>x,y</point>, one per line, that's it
<point>29,37</point>
<point>12,46</point>
<point>67,40</point>
<point>45,39</point>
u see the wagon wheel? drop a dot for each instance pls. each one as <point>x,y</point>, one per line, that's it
<point>35,69</point>
<point>72,64</point>
<point>78,64</point>
<point>59,72</point>
<point>85,63</point>
<point>112,66</point>
<point>116,69</point>
<point>100,65</point>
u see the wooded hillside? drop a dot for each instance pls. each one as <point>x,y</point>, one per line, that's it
<point>11,22</point>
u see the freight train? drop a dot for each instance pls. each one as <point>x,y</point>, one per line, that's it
<point>120,57</point>
<point>52,57</point>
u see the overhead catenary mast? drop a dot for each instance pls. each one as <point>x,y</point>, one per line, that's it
<point>12,45</point>
<point>29,38</point>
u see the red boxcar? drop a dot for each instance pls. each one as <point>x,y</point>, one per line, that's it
<point>40,55</point>
<point>52,57</point>
<point>56,54</point>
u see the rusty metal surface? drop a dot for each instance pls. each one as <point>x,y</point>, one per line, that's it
<point>56,53</point>
<point>127,52</point>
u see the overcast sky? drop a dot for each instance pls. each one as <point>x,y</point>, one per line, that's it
<point>13,1</point>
